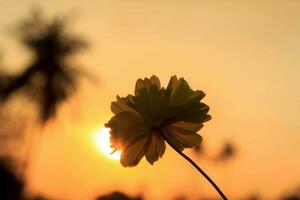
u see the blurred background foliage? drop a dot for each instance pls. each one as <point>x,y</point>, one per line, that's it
<point>50,78</point>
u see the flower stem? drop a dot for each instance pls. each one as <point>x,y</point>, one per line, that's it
<point>197,167</point>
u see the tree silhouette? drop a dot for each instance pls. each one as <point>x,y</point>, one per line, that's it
<point>4,79</point>
<point>228,151</point>
<point>294,195</point>
<point>181,197</point>
<point>11,187</point>
<point>199,150</point>
<point>118,196</point>
<point>49,79</point>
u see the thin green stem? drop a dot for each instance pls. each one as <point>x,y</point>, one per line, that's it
<point>197,167</point>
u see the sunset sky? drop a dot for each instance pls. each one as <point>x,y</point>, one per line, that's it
<point>243,54</point>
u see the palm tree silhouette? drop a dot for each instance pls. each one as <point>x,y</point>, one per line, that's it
<point>49,79</point>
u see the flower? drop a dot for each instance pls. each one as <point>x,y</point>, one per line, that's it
<point>143,120</point>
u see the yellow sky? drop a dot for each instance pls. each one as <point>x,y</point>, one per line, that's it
<point>243,54</point>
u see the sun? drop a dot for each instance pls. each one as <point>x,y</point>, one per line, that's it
<point>104,145</point>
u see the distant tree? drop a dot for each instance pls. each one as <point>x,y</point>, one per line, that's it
<point>199,150</point>
<point>49,79</point>
<point>118,196</point>
<point>4,79</point>
<point>11,187</point>
<point>291,197</point>
<point>253,197</point>
<point>294,195</point>
<point>228,151</point>
<point>39,197</point>
<point>181,197</point>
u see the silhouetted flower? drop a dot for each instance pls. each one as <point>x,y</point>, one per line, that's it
<point>142,121</point>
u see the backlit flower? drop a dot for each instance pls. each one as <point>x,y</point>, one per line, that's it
<point>143,120</point>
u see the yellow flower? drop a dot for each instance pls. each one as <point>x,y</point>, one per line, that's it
<point>143,120</point>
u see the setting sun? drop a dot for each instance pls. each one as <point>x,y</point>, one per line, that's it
<point>104,145</point>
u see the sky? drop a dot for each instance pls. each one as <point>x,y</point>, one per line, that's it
<point>242,54</point>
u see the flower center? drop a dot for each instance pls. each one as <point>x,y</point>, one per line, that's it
<point>155,129</point>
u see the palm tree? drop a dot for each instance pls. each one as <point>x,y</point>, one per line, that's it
<point>49,79</point>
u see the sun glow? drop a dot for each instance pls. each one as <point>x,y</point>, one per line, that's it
<point>104,145</point>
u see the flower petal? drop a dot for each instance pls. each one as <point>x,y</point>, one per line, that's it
<point>121,105</point>
<point>134,152</point>
<point>125,127</point>
<point>146,83</point>
<point>179,92</point>
<point>184,103</point>
<point>156,147</point>
<point>195,112</point>
<point>151,104</point>
<point>181,138</point>
<point>195,127</point>
<point>155,81</point>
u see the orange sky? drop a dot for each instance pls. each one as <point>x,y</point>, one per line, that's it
<point>243,54</point>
